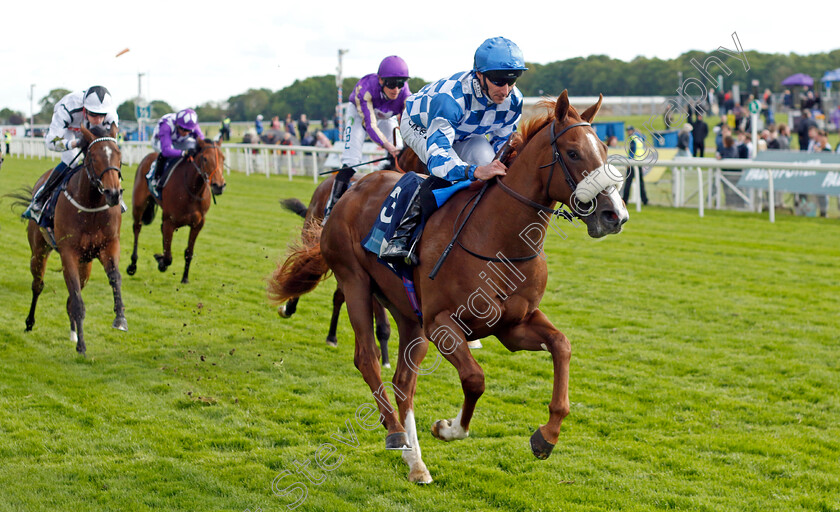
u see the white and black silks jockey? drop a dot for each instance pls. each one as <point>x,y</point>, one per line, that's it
<point>456,125</point>
<point>375,102</point>
<point>92,107</point>
<point>174,137</point>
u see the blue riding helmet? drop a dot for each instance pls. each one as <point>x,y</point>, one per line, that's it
<point>499,53</point>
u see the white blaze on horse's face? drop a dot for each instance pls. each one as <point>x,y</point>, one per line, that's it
<point>108,153</point>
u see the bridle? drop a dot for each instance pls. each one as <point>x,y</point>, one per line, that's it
<point>91,174</point>
<point>95,180</point>
<point>558,158</point>
<point>205,176</point>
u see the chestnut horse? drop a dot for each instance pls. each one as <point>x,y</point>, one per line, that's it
<point>457,305</point>
<point>185,200</point>
<point>86,226</point>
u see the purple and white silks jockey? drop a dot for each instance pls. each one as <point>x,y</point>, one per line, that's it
<point>166,138</point>
<point>370,113</point>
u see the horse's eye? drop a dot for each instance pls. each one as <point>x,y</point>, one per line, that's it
<point>573,154</point>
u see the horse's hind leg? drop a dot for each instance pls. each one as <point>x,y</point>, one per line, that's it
<point>383,330</point>
<point>288,309</point>
<point>167,228</point>
<point>37,266</point>
<point>358,294</point>
<point>338,300</point>
<point>188,252</point>
<point>138,225</point>
<point>110,261</point>
<point>412,351</point>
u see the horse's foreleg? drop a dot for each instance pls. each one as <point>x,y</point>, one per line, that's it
<point>138,225</point>
<point>37,266</point>
<point>167,228</point>
<point>75,305</point>
<point>110,258</point>
<point>449,339</point>
<point>188,252</point>
<point>537,333</point>
<point>338,301</point>
<point>383,330</point>
<point>412,351</point>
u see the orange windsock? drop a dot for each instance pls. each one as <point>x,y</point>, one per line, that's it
<point>122,52</point>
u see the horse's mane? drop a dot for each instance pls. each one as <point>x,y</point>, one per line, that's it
<point>535,123</point>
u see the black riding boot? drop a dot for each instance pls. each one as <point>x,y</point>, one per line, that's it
<point>397,249</point>
<point>160,163</point>
<point>340,186</point>
<point>44,192</point>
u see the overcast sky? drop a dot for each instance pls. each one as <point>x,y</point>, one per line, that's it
<point>194,52</point>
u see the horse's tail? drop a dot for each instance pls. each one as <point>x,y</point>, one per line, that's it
<point>149,213</point>
<point>294,206</point>
<point>303,269</point>
<point>20,198</point>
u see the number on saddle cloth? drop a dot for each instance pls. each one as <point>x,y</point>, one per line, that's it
<point>395,206</point>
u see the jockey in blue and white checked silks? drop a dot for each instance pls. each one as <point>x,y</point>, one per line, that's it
<point>456,125</point>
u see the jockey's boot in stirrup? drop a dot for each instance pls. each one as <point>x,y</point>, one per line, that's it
<point>340,186</point>
<point>397,250</point>
<point>42,195</point>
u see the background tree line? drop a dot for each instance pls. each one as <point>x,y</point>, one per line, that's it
<point>582,76</point>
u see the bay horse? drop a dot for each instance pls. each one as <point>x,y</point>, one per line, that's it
<point>184,201</point>
<point>86,226</point>
<point>457,305</point>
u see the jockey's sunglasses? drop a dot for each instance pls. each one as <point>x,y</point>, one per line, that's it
<point>394,83</point>
<point>500,79</point>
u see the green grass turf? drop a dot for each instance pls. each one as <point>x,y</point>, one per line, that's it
<point>704,376</point>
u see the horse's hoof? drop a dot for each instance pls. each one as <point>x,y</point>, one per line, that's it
<point>420,475</point>
<point>540,447</point>
<point>185,281</point>
<point>74,338</point>
<point>131,270</point>
<point>281,310</point>
<point>29,325</point>
<point>386,365</point>
<point>332,341</point>
<point>475,344</point>
<point>162,263</point>
<point>120,323</point>
<point>397,441</point>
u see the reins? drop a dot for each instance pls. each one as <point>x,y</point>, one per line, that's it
<point>558,158</point>
<point>205,177</point>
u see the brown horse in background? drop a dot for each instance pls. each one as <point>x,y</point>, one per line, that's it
<point>471,297</point>
<point>185,200</point>
<point>86,227</point>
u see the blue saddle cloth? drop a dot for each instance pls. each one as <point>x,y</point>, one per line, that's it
<point>48,215</point>
<point>389,218</point>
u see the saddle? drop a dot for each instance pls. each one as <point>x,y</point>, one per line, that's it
<point>156,188</point>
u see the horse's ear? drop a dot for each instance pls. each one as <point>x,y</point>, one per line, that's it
<point>589,114</point>
<point>561,110</point>
<point>86,133</point>
<point>113,132</point>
